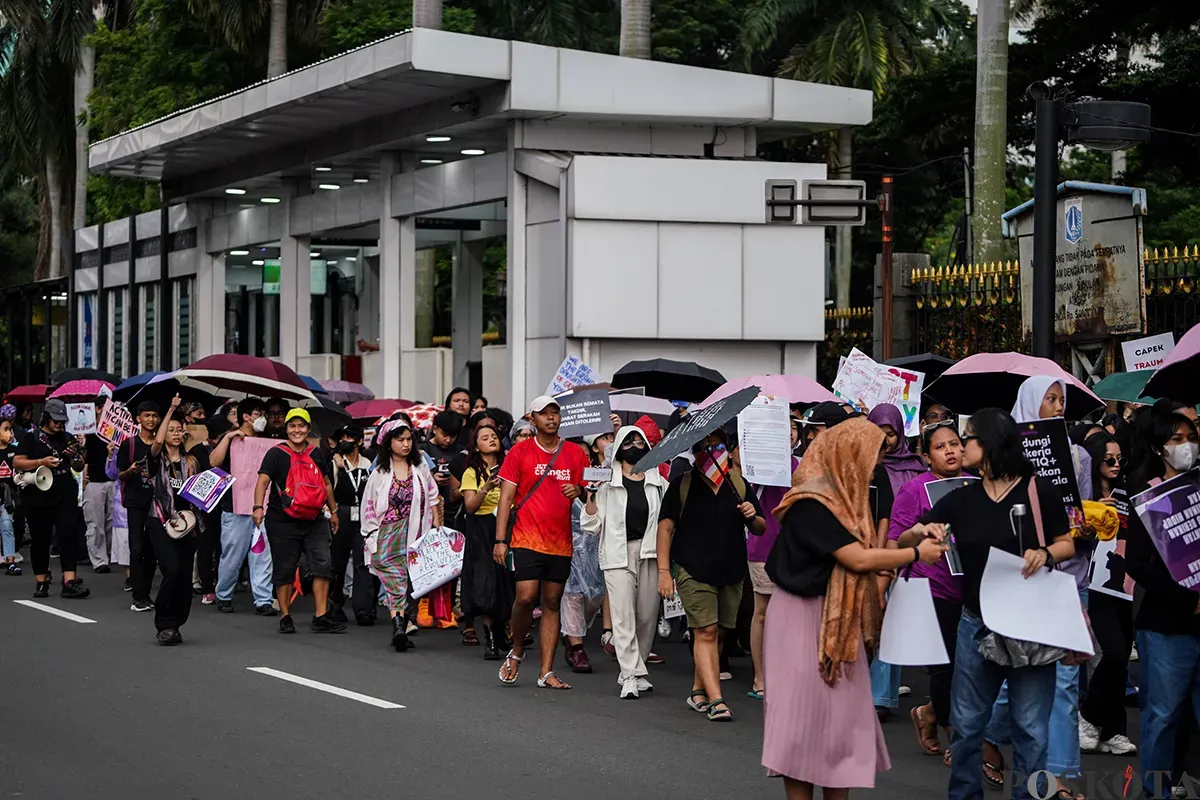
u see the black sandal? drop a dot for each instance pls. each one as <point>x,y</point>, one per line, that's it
<point>470,638</point>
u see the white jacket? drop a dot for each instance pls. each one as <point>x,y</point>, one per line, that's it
<point>609,519</point>
<point>375,504</point>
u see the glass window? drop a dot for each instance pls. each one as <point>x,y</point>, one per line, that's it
<point>252,302</point>
<point>116,316</point>
<point>186,330</point>
<point>150,327</point>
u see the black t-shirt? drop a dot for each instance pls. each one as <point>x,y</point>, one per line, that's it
<point>64,489</point>
<point>458,465</point>
<point>802,559</point>
<point>7,472</point>
<point>881,497</point>
<point>350,484</point>
<point>137,490</point>
<point>979,524</point>
<point>710,532</point>
<point>95,455</point>
<point>275,465</point>
<point>637,509</point>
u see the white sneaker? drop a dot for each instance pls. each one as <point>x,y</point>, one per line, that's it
<point>629,689</point>
<point>726,676</point>
<point>1089,736</point>
<point>1179,792</point>
<point>664,628</point>
<point>1133,654</point>
<point>905,691</point>
<point>1118,745</point>
<point>644,685</point>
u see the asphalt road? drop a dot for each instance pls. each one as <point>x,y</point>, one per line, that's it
<point>100,710</point>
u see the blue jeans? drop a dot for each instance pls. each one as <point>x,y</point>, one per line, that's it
<point>885,684</point>
<point>8,540</point>
<point>976,686</point>
<point>237,534</point>
<point>1168,677</point>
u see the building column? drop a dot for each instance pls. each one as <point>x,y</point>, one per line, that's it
<point>466,315</point>
<point>389,281</point>
<point>210,299</point>
<point>517,346</point>
<point>405,305</point>
<point>295,310</point>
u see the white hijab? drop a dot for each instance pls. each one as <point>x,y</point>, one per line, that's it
<point>1028,407</point>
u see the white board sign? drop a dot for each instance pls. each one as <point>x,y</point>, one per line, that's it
<point>911,635</point>
<point>865,383</point>
<point>81,418</point>
<point>571,372</point>
<point>1147,353</point>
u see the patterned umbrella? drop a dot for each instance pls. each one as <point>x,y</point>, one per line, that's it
<point>236,377</point>
<point>81,388</point>
<point>422,415</point>
<point>347,392</point>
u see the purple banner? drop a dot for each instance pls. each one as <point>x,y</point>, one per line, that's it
<point>206,489</point>
<point>1171,513</point>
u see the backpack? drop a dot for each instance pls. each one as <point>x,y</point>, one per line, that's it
<point>685,484</point>
<point>303,494</point>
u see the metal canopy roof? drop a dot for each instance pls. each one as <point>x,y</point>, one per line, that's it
<point>392,93</point>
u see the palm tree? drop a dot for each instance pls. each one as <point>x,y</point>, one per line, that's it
<point>427,14</point>
<point>635,28</point>
<point>991,128</point>
<point>577,24</point>
<point>41,44</point>
<point>240,23</point>
<point>857,43</point>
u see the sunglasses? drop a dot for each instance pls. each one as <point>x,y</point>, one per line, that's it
<point>1116,461</point>
<point>935,417</point>
<point>969,437</point>
<point>946,423</point>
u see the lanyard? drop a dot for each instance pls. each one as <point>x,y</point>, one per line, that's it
<point>355,476</point>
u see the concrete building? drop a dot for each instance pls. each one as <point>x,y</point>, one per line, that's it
<point>629,194</point>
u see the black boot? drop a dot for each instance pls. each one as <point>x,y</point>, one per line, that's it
<point>399,637</point>
<point>490,651</point>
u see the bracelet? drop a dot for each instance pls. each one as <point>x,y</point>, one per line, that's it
<point>663,569</point>
<point>256,508</point>
<point>505,543</point>
<point>916,554</point>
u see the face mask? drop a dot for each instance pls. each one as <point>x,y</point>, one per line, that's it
<point>631,454</point>
<point>1181,456</point>
<point>608,453</point>
<point>260,424</point>
<point>345,448</point>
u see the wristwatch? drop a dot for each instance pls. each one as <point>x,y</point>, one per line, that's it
<point>256,508</point>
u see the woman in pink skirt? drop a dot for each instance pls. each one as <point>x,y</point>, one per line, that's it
<point>820,724</point>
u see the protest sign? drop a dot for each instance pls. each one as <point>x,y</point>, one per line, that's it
<point>673,608</point>
<point>1108,570</point>
<point>434,559</point>
<point>81,418</point>
<point>1049,450</point>
<point>597,474</point>
<point>765,439</point>
<point>206,489</point>
<point>1171,513</point>
<point>116,423</point>
<point>245,457</point>
<point>865,383</point>
<point>911,635</point>
<point>584,413</point>
<point>571,373</point>
<point>1042,608</point>
<point>1147,353</point>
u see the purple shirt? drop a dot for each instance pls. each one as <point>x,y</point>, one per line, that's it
<point>912,502</point>
<point>758,548</point>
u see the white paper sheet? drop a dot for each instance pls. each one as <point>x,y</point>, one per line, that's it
<point>765,440</point>
<point>1044,608</point>
<point>911,636</point>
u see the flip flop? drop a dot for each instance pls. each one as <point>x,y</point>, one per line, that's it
<point>923,739</point>
<point>470,638</point>
<point>543,682</point>
<point>517,658</point>
<point>756,694</point>
<point>999,770</point>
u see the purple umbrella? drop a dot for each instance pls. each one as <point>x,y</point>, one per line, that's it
<point>793,388</point>
<point>993,379</point>
<point>346,392</point>
<point>1178,377</point>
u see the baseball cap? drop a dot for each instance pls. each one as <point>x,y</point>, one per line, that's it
<point>56,409</point>
<point>298,413</point>
<point>540,403</point>
<point>827,414</point>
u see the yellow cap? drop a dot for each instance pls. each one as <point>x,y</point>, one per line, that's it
<point>298,413</point>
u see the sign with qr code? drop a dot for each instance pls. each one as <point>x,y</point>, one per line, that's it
<point>673,608</point>
<point>205,490</point>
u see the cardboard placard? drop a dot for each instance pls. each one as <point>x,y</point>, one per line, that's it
<point>865,383</point>
<point>1148,352</point>
<point>81,418</point>
<point>245,457</point>
<point>116,423</point>
<point>1049,450</point>
<point>585,413</point>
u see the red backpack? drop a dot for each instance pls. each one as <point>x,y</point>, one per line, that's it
<point>303,495</point>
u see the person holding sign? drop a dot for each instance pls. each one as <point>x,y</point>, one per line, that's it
<point>820,727</point>
<point>1168,618</point>
<point>982,516</point>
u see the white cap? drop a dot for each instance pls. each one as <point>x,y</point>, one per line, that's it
<point>540,403</point>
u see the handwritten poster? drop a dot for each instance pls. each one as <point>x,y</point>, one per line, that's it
<point>865,383</point>
<point>116,423</point>
<point>245,457</point>
<point>571,372</point>
<point>81,418</point>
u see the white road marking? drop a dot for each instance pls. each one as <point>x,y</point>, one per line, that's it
<point>56,612</point>
<point>325,687</point>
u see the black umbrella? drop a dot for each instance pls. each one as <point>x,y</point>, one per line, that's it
<point>329,417</point>
<point>82,374</point>
<point>669,380</point>
<point>932,365</point>
<point>162,391</point>
<point>695,426</point>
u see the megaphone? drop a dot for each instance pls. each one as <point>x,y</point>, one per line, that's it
<point>41,478</point>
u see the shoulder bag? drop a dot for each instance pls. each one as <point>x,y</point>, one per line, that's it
<point>512,516</point>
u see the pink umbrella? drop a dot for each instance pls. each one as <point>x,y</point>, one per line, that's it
<point>346,392</point>
<point>793,388</point>
<point>993,379</point>
<point>81,388</point>
<point>235,376</point>
<point>1178,377</point>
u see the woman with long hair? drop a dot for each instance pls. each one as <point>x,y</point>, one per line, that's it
<point>400,502</point>
<point>487,588</point>
<point>1168,635</point>
<point>943,452</point>
<point>981,518</point>
<point>820,726</point>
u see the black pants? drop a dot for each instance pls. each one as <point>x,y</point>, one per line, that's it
<point>349,534</point>
<point>208,551</point>
<point>43,521</point>
<point>173,604</point>
<point>141,554</point>
<point>365,597</point>
<point>1112,623</point>
<point>941,675</point>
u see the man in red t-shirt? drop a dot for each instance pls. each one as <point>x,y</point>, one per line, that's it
<point>541,477</point>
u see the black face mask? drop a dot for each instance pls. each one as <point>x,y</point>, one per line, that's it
<point>631,454</point>
<point>345,448</point>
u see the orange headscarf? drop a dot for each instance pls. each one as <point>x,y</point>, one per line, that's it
<point>836,472</point>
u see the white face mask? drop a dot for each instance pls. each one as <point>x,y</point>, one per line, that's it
<point>260,424</point>
<point>608,453</point>
<point>1181,456</point>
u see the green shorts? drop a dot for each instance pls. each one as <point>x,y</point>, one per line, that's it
<point>707,605</point>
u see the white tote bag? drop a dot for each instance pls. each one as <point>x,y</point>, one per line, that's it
<point>434,559</point>
<point>911,636</point>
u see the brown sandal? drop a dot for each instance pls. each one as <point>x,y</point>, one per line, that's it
<point>470,638</point>
<point>925,734</point>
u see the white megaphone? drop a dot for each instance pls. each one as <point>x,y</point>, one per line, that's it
<point>41,478</point>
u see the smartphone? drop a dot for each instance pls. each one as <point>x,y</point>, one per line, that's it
<point>509,564</point>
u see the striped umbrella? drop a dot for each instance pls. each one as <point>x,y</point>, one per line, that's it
<point>237,376</point>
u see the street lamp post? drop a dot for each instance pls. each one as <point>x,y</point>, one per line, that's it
<point>1099,125</point>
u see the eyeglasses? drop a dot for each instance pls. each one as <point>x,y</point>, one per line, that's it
<point>631,443</point>
<point>1116,461</point>
<point>969,437</point>
<point>946,423</point>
